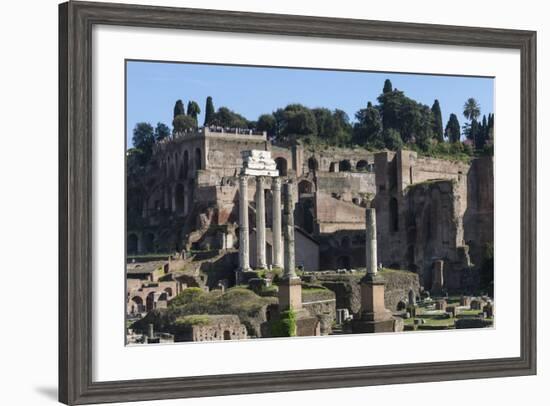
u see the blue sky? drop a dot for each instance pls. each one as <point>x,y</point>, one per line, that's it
<point>153,88</point>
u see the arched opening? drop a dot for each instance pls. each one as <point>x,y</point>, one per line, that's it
<point>227,335</point>
<point>358,240</point>
<point>401,305</point>
<point>180,198</point>
<point>345,166</point>
<point>150,302</point>
<point>362,165</point>
<point>149,242</point>
<point>132,244</point>
<point>343,262</point>
<point>281,166</point>
<point>136,305</point>
<point>185,165</point>
<point>333,167</point>
<point>163,296</point>
<point>394,215</point>
<point>346,242</point>
<point>198,159</point>
<point>305,187</point>
<point>169,292</point>
<point>312,164</point>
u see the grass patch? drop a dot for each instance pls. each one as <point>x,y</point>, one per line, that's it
<point>193,320</point>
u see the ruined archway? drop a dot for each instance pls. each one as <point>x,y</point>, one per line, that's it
<point>305,187</point>
<point>394,215</point>
<point>343,262</point>
<point>132,244</point>
<point>281,166</point>
<point>312,164</point>
<point>149,242</point>
<point>180,198</point>
<point>362,165</point>
<point>198,159</point>
<point>185,166</point>
<point>150,302</point>
<point>136,305</point>
<point>345,166</point>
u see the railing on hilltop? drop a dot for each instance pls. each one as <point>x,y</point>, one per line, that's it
<point>215,130</point>
<point>206,131</point>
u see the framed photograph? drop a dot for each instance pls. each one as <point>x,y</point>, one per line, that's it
<point>260,202</point>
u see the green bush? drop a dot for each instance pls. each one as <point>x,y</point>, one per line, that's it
<point>285,326</point>
<point>189,295</point>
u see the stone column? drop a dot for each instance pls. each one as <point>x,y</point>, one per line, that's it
<point>277,243</point>
<point>438,278</point>
<point>372,265</point>
<point>260,224</point>
<point>375,317</point>
<point>290,288</point>
<point>244,262</point>
<point>288,219</point>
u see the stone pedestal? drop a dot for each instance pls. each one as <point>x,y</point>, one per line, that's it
<point>375,318</point>
<point>290,294</point>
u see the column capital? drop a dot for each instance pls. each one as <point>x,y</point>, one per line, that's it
<point>276,183</point>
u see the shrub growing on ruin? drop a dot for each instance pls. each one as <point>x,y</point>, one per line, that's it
<point>285,326</point>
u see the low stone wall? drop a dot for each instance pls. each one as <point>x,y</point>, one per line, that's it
<point>398,285</point>
<point>324,311</point>
<point>347,288</point>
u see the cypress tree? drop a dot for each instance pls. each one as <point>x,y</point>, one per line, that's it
<point>193,111</point>
<point>438,121</point>
<point>209,111</point>
<point>387,86</point>
<point>452,130</point>
<point>179,109</point>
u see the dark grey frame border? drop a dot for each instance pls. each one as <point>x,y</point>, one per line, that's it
<point>75,182</point>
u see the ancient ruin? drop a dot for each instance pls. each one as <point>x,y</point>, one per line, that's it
<point>320,240</point>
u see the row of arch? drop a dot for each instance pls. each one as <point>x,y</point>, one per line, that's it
<point>138,304</point>
<point>175,198</point>
<point>344,165</point>
<point>178,167</point>
<point>136,246</point>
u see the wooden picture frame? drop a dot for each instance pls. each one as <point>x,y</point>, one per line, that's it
<point>76,20</point>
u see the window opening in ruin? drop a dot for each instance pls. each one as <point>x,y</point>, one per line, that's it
<point>281,166</point>
<point>394,215</point>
